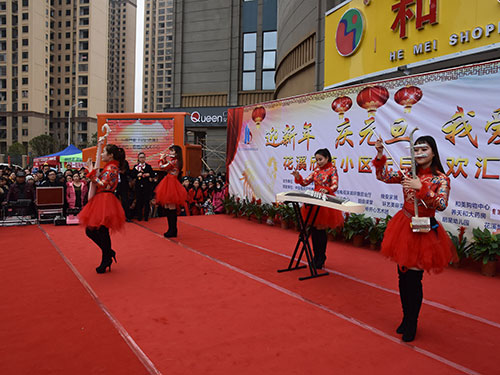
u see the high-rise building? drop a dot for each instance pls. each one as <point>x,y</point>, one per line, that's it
<point>203,56</point>
<point>121,56</point>
<point>53,69</point>
<point>158,55</point>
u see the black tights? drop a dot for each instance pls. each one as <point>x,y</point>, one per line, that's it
<point>101,237</point>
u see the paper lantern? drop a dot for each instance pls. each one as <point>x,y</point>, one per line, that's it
<point>341,105</point>
<point>408,96</point>
<point>371,98</point>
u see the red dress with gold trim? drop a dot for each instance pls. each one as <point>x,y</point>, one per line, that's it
<point>431,251</point>
<point>325,177</point>
<point>104,209</point>
<point>170,190</point>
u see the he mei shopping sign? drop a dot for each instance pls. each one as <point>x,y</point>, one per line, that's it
<point>365,38</point>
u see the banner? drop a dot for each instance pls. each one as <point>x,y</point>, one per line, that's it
<point>151,136</point>
<point>459,107</point>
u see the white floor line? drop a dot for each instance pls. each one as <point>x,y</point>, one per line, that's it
<point>148,364</point>
<point>427,302</point>
<point>347,318</point>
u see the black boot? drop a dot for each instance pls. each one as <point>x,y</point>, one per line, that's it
<point>172,224</point>
<point>415,296</point>
<point>107,253</point>
<point>403,295</point>
<point>319,240</point>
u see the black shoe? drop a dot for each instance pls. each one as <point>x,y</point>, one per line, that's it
<point>170,234</point>
<point>113,256</point>
<point>401,328</point>
<point>410,332</point>
<point>106,263</point>
<point>319,261</point>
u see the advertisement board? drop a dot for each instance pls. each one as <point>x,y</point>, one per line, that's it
<point>366,38</point>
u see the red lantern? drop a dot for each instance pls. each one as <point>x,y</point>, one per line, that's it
<point>408,96</point>
<point>371,98</point>
<point>341,105</point>
<point>258,115</point>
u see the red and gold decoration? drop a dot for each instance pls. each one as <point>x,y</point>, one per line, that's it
<point>408,96</point>
<point>258,115</point>
<point>371,98</point>
<point>341,105</point>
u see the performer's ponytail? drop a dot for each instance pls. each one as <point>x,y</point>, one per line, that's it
<point>118,154</point>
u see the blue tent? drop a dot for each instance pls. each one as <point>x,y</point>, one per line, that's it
<point>70,150</point>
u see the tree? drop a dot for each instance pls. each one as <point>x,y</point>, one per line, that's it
<point>93,140</point>
<point>42,145</point>
<point>16,149</point>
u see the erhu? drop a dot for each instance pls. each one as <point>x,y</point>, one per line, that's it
<point>418,224</point>
<point>93,185</point>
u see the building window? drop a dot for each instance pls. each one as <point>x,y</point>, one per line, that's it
<point>249,53</point>
<point>269,60</point>
<point>25,132</point>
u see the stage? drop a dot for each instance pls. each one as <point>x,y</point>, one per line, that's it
<point>212,302</point>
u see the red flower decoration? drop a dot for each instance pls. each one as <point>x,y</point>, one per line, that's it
<point>371,98</point>
<point>408,96</point>
<point>341,105</point>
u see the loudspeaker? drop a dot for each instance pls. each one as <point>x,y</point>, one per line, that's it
<point>59,220</point>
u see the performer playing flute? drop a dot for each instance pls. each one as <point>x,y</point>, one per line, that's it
<point>104,211</point>
<point>326,181</point>
<point>413,251</point>
<point>169,191</point>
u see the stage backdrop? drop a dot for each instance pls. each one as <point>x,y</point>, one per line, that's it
<point>460,108</point>
<point>151,136</point>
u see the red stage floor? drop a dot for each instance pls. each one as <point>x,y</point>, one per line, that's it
<point>211,302</point>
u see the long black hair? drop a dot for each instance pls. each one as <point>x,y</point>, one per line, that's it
<point>436,162</point>
<point>118,154</point>
<point>178,155</point>
<point>325,153</point>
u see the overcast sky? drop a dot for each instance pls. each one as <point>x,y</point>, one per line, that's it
<point>139,37</point>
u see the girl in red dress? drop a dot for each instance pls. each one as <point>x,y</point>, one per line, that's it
<point>326,181</point>
<point>104,211</point>
<point>169,191</point>
<point>415,252</point>
<point>196,198</point>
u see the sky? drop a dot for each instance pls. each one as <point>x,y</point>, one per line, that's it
<point>139,46</point>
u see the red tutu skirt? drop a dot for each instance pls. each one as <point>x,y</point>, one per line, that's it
<point>327,217</point>
<point>170,191</point>
<point>431,251</point>
<point>103,209</point>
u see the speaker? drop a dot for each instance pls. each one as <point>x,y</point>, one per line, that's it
<point>59,220</point>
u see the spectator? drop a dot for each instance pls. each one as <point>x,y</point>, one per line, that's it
<point>39,177</point>
<point>218,198</point>
<point>4,189</point>
<point>51,179</point>
<point>45,169</point>
<point>76,192</point>
<point>195,197</point>
<point>122,190</point>
<point>143,174</point>
<point>204,189</point>
<point>21,190</point>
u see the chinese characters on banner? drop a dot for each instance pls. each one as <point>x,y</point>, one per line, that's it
<point>460,108</point>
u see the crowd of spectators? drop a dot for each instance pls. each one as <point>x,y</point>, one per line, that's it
<point>135,190</point>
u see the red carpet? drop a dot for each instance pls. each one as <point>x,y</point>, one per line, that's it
<point>49,323</point>
<point>211,304</point>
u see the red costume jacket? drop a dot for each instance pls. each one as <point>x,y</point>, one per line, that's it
<point>325,177</point>
<point>434,192</point>
<point>170,165</point>
<point>108,180</point>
